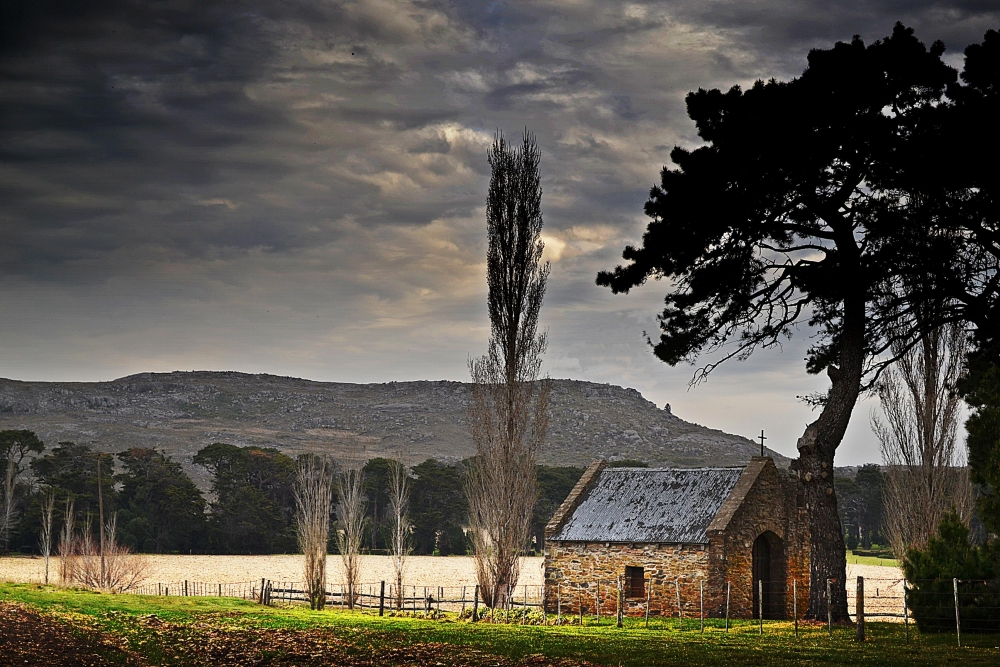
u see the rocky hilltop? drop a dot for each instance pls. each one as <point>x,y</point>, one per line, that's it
<point>182,412</point>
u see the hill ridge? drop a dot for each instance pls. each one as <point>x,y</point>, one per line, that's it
<point>182,411</point>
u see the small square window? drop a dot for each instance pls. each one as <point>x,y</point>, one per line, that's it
<point>635,582</point>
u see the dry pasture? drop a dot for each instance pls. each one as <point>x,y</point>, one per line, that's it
<point>420,570</point>
<point>883,585</point>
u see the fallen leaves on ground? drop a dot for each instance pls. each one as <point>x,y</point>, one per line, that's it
<point>42,639</point>
<point>30,638</point>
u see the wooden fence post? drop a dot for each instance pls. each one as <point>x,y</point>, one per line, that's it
<point>958,621</point>
<point>760,605</point>
<point>859,609</point>
<point>621,602</point>
<point>524,616</point>
<point>475,605</point>
<point>728,589</point>
<point>649,587</point>
<point>509,602</point>
<point>185,587</point>
<point>906,615</point>
<point>795,606</point>
<point>597,599</point>
<point>680,615</point>
<point>381,601</point>
<point>701,602</point>
<point>829,609</point>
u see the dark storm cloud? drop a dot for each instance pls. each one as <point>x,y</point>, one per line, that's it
<point>297,186</point>
<point>111,108</point>
<point>787,22</point>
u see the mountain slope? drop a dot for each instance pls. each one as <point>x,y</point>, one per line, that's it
<point>183,411</point>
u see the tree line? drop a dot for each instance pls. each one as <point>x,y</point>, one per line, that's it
<point>251,505</point>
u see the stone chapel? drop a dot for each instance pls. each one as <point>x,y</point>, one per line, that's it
<point>696,535</point>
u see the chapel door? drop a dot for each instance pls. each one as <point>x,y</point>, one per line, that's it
<point>762,581</point>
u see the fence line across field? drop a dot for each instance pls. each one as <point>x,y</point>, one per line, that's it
<point>958,605</point>
<point>884,596</point>
<point>418,599</point>
<point>246,590</point>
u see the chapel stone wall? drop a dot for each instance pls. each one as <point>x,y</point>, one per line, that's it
<point>582,573</point>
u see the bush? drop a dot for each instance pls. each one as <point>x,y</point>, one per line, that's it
<point>930,572</point>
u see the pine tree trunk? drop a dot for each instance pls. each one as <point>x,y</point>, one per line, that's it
<point>817,447</point>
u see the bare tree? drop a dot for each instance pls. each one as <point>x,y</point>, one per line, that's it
<point>399,540</point>
<point>100,523</point>
<point>925,476</point>
<point>351,505</point>
<point>7,519</point>
<point>508,414</point>
<point>46,538</point>
<point>67,542</point>
<point>15,447</point>
<point>313,501</point>
<point>111,567</point>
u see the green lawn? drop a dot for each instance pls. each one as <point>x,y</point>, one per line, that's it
<point>661,644</point>
<point>871,560</point>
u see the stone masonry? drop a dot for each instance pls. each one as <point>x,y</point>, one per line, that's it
<point>762,505</point>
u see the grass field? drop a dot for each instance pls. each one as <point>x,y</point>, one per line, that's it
<point>194,622</point>
<point>871,560</point>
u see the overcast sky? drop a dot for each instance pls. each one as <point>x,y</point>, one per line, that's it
<point>297,187</point>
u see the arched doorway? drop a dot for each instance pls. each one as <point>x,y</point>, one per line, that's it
<point>768,564</point>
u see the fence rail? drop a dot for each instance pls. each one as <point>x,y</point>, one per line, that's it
<point>416,599</point>
<point>246,590</point>
<point>936,606</point>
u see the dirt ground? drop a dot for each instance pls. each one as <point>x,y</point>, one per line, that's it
<point>30,638</point>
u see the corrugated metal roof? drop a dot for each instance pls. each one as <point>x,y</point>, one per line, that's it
<point>650,505</point>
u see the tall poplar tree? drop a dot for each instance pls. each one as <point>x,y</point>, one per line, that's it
<point>508,413</point>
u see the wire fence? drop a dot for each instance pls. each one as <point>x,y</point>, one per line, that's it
<point>966,610</point>
<point>465,601</point>
<point>245,590</point>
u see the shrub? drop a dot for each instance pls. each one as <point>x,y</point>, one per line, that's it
<point>930,572</point>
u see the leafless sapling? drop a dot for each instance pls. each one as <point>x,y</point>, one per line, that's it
<point>400,542</point>
<point>7,519</point>
<point>46,538</point>
<point>67,543</point>
<point>925,476</point>
<point>351,505</point>
<point>313,502</point>
<point>112,567</point>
